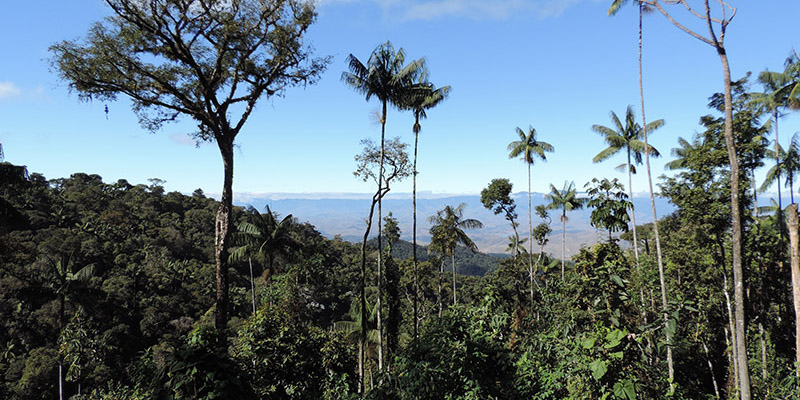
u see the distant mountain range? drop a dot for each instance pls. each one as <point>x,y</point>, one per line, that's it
<point>344,214</point>
<point>467,263</point>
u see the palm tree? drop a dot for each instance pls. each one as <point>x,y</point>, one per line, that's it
<point>627,137</point>
<point>262,236</point>
<point>386,77</point>
<point>776,97</point>
<point>793,68</point>
<point>772,211</point>
<point>646,7</point>
<point>64,282</point>
<point>528,148</point>
<point>681,154</point>
<point>788,164</point>
<point>351,329</point>
<point>567,200</point>
<point>447,231</point>
<point>419,100</point>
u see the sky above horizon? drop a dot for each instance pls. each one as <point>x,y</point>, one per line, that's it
<point>559,66</point>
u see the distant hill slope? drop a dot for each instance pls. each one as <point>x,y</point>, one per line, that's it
<point>337,214</point>
<point>467,262</point>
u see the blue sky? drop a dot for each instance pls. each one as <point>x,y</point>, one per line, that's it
<point>559,66</point>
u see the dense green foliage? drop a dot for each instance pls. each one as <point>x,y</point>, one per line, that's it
<point>133,268</point>
<point>107,290</point>
<point>116,280</point>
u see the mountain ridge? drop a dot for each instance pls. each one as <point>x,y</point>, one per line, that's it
<point>340,214</point>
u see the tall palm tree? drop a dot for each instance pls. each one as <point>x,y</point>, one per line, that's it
<point>529,148</point>
<point>386,77</point>
<point>447,231</point>
<point>420,99</point>
<point>629,138</point>
<point>775,98</point>
<point>567,200</point>
<point>647,7</point>
<point>262,236</point>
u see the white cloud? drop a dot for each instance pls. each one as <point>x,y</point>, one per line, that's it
<point>473,9</point>
<point>476,9</point>
<point>182,139</point>
<point>8,90</point>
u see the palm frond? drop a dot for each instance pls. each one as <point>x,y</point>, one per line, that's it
<point>615,6</point>
<point>607,153</point>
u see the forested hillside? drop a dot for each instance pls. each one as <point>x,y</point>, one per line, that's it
<point>124,291</point>
<point>112,284</point>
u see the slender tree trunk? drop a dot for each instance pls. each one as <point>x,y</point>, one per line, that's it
<point>777,158</point>
<point>738,272</point>
<point>563,241</point>
<point>441,280</point>
<point>711,371</point>
<point>795,265</point>
<point>755,192</point>
<point>222,244</point>
<point>380,246</point>
<point>518,253</point>
<point>731,359</point>
<point>633,209</point>
<point>60,357</point>
<point>781,221</point>
<point>453,257</point>
<point>764,369</point>
<point>362,339</point>
<point>60,380</point>
<point>731,320</point>
<point>252,284</point>
<point>530,235</point>
<point>360,367</point>
<point>414,228</point>
<point>538,261</point>
<point>659,259</point>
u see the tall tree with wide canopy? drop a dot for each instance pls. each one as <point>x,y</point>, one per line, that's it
<point>529,148</point>
<point>627,137</point>
<point>421,98</point>
<point>208,60</point>
<point>565,199</point>
<point>447,229</point>
<point>386,77</point>
<point>717,26</point>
